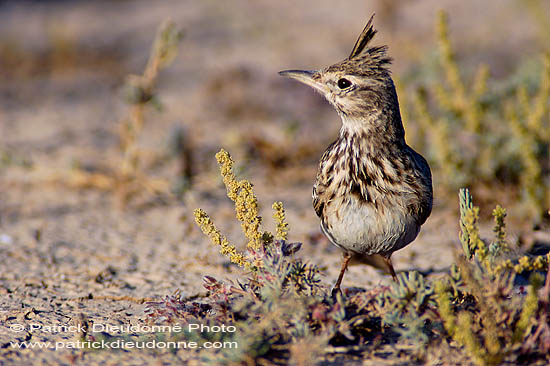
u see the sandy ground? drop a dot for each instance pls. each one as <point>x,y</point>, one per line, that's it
<point>66,252</point>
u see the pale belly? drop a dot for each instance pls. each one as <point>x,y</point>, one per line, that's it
<point>365,229</point>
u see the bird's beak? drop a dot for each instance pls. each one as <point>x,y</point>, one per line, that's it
<point>306,77</point>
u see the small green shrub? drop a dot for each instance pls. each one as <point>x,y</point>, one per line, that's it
<point>481,132</point>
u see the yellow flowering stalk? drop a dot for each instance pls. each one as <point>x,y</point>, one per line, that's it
<point>280,219</point>
<point>499,214</point>
<point>466,102</point>
<point>445,158</point>
<point>529,309</point>
<point>525,263</point>
<point>246,203</point>
<point>246,209</point>
<point>444,307</point>
<point>226,168</point>
<point>465,336</point>
<point>209,229</point>
<point>470,238</point>
<point>536,112</point>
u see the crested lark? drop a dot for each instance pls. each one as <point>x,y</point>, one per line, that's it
<point>372,192</point>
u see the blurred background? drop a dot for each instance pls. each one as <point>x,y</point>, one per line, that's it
<point>107,142</point>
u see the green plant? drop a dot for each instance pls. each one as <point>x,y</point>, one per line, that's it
<point>491,257</point>
<point>408,308</point>
<point>128,179</point>
<point>482,132</point>
<point>246,208</point>
<point>478,307</point>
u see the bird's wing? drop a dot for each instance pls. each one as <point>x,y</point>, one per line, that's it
<point>321,184</point>
<point>424,209</point>
<point>318,204</point>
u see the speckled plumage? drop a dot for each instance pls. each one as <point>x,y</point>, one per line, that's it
<point>372,192</point>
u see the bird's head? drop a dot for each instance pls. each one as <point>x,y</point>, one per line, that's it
<point>359,87</point>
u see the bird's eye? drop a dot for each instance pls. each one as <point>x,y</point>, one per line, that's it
<point>344,83</point>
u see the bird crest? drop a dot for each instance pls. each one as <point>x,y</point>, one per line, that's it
<point>362,53</point>
<point>365,37</point>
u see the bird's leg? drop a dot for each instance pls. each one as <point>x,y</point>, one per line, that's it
<point>336,288</point>
<point>390,267</point>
